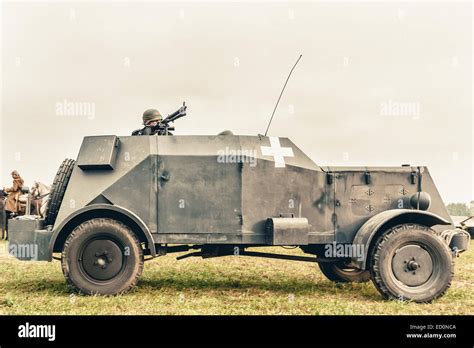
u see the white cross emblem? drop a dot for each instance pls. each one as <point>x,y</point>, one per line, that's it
<point>278,153</point>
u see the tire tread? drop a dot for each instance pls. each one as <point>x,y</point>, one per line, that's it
<point>131,283</point>
<point>375,257</point>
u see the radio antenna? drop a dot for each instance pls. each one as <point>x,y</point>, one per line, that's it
<point>271,118</point>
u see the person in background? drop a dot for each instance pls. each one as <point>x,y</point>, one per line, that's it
<point>11,204</point>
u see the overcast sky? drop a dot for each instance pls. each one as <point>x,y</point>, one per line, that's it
<point>378,84</point>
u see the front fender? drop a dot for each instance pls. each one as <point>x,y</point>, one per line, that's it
<point>386,219</point>
<point>99,210</point>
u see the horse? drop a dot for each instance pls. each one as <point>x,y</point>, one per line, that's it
<point>40,197</point>
<point>39,194</point>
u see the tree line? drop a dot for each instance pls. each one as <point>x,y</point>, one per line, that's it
<point>461,209</point>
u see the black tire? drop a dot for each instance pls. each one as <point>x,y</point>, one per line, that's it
<point>410,262</point>
<point>341,272</point>
<point>58,189</point>
<point>102,256</point>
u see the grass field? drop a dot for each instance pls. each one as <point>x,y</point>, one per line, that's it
<point>228,285</point>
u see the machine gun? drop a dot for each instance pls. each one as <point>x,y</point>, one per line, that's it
<point>163,127</point>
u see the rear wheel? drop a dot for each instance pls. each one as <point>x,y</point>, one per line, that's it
<point>102,256</point>
<point>342,272</point>
<point>410,262</point>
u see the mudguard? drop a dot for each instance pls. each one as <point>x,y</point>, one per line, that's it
<point>369,229</point>
<point>98,210</point>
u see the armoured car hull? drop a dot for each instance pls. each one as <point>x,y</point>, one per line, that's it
<point>222,194</point>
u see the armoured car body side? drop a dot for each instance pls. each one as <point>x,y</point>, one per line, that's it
<point>219,194</point>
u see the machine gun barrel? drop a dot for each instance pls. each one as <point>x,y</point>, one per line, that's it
<point>181,112</point>
<point>163,127</point>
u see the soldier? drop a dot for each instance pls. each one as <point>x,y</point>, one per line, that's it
<point>151,118</point>
<point>11,205</point>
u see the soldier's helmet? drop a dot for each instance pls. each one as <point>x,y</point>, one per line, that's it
<point>151,115</point>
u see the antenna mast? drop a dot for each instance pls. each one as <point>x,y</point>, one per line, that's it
<point>271,118</point>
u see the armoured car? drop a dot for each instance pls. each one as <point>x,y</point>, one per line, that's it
<point>127,199</point>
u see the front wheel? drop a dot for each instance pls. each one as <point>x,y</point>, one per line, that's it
<point>102,256</point>
<point>410,262</point>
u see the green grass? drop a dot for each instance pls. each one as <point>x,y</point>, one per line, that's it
<point>227,285</point>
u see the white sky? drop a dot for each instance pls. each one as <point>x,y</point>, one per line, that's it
<point>229,62</point>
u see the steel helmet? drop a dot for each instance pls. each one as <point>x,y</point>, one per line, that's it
<point>151,115</point>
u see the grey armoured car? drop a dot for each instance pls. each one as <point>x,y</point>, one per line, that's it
<point>129,198</point>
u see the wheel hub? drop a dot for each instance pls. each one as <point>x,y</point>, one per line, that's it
<point>102,259</point>
<point>412,265</point>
